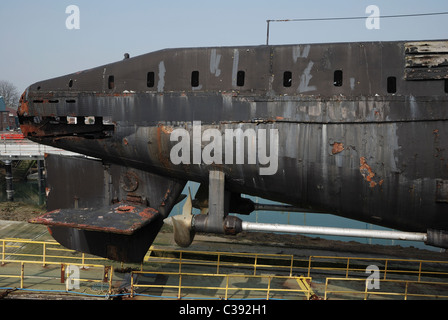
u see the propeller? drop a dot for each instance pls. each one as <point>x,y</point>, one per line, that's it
<point>183,233</point>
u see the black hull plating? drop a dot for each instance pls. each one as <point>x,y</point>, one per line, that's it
<point>368,180</point>
<point>371,146</point>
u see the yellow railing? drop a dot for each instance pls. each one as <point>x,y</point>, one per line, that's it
<point>183,264</point>
<point>47,251</point>
<point>386,266</point>
<point>227,286</point>
<point>397,284</point>
<point>42,251</point>
<point>60,274</point>
<point>219,260</point>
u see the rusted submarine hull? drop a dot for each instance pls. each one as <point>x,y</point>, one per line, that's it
<point>106,210</point>
<point>354,129</point>
<point>346,181</point>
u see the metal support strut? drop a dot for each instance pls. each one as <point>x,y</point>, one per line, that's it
<point>9,180</point>
<point>217,206</point>
<point>217,220</point>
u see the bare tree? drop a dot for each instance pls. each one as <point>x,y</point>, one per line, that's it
<point>10,94</point>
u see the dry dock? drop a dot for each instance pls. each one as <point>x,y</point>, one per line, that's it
<point>248,266</point>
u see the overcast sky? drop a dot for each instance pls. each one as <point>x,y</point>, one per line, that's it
<point>37,45</point>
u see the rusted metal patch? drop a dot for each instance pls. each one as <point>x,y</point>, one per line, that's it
<point>338,147</point>
<point>426,60</point>
<point>121,218</point>
<point>147,213</point>
<point>426,73</point>
<point>367,173</point>
<point>426,46</point>
<point>125,209</point>
<point>166,129</point>
<point>31,130</point>
<point>129,181</point>
<point>161,129</point>
<point>23,105</point>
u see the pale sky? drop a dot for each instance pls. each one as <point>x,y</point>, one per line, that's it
<point>36,44</point>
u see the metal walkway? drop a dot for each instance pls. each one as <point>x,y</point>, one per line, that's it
<point>45,267</point>
<point>24,149</point>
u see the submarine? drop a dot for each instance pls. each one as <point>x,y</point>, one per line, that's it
<point>358,130</point>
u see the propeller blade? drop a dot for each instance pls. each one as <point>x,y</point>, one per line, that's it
<point>183,233</point>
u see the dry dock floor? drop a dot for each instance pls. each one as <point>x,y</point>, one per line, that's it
<point>45,281</point>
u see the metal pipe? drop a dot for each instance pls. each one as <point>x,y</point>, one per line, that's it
<point>267,32</point>
<point>9,181</point>
<point>345,232</point>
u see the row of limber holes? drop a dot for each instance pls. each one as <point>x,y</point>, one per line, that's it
<point>89,120</point>
<point>150,80</point>
<point>54,101</point>
<point>240,79</point>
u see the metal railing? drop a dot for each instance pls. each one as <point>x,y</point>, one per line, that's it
<point>226,288</point>
<point>404,285</point>
<point>183,266</point>
<point>59,272</point>
<point>50,254</point>
<point>219,260</point>
<point>32,250</point>
<point>388,267</point>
